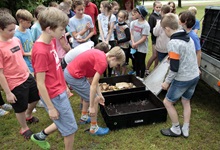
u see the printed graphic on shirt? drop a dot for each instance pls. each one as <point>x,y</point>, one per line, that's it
<point>56,58</point>
<point>15,49</point>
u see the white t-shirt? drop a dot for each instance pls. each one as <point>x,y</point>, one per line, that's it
<point>104,20</point>
<point>78,50</point>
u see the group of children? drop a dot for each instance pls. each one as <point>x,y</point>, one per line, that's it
<point>44,61</point>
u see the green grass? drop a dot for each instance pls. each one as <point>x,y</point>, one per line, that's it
<point>204,130</point>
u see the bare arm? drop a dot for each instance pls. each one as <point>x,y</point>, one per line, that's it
<point>40,78</point>
<point>4,84</point>
<point>110,31</point>
<point>65,45</point>
<point>101,31</point>
<point>199,55</point>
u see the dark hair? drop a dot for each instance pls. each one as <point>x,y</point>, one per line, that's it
<point>174,7</point>
<point>77,3</point>
<point>165,9</point>
<point>102,46</point>
<point>188,18</point>
<point>6,19</point>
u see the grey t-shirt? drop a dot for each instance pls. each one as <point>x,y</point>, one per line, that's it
<point>138,30</point>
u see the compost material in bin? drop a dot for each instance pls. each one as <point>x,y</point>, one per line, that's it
<point>129,107</point>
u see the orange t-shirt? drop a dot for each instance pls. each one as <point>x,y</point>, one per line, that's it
<point>14,67</point>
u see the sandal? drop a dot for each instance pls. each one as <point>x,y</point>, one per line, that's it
<point>32,120</point>
<point>41,143</point>
<point>26,133</point>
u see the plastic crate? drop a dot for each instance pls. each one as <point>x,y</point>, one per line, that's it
<point>156,111</point>
<point>125,78</point>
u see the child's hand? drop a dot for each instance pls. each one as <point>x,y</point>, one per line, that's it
<point>81,40</point>
<point>101,100</point>
<point>11,98</point>
<point>53,114</point>
<point>88,25</point>
<point>92,111</point>
<point>134,45</point>
<point>165,86</point>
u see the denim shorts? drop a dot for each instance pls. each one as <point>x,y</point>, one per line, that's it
<point>80,86</point>
<point>66,123</point>
<point>184,89</point>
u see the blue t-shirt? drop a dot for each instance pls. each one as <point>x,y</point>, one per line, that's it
<point>195,39</point>
<point>36,31</point>
<point>197,25</point>
<point>27,43</point>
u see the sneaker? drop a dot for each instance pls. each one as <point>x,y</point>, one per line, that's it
<point>147,72</point>
<point>100,131</point>
<point>34,110</point>
<point>6,107</point>
<point>131,72</point>
<point>3,112</point>
<point>185,132</point>
<point>40,104</point>
<point>85,122</point>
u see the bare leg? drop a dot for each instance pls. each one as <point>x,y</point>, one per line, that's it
<point>50,129</point>
<point>30,108</point>
<point>22,120</point>
<point>171,111</point>
<point>68,141</point>
<point>152,58</point>
<point>94,118</point>
<point>186,110</point>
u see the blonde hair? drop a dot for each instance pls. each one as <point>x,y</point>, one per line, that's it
<point>170,20</point>
<point>24,15</point>
<point>193,10</point>
<point>53,17</point>
<point>118,53</point>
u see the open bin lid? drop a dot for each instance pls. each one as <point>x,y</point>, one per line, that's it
<point>157,76</point>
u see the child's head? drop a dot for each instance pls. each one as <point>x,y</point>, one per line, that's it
<point>116,57</point>
<point>122,16</point>
<point>165,9</point>
<point>172,7</point>
<point>103,47</point>
<point>169,23</point>
<point>78,7</point>
<point>157,6</point>
<point>7,25</point>
<point>193,10</point>
<point>70,2</point>
<point>128,5</point>
<point>115,7</point>
<point>38,9</point>
<point>142,11</point>
<point>105,7</point>
<point>65,7</point>
<point>187,19</point>
<point>53,4</point>
<point>133,14</point>
<point>53,20</point>
<point>24,18</point>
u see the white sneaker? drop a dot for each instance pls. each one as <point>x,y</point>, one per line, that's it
<point>6,107</point>
<point>40,104</point>
<point>185,132</point>
<point>3,112</point>
<point>139,78</point>
<point>34,110</point>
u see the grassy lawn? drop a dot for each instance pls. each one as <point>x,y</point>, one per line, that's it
<point>204,131</point>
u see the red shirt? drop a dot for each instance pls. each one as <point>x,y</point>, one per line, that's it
<point>12,62</point>
<point>45,59</point>
<point>92,10</point>
<point>87,64</point>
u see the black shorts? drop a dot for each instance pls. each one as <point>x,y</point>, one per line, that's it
<point>25,93</point>
<point>127,54</point>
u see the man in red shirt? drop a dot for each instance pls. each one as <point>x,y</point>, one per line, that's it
<point>92,10</point>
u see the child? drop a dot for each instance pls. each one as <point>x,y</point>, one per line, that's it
<point>50,79</point>
<point>92,10</point>
<point>19,86</point>
<point>161,38</point>
<point>140,31</point>
<point>24,18</point>
<point>183,18</point>
<point>106,22</point>
<point>91,64</point>
<point>172,7</point>
<point>183,74</point>
<point>196,27</point>
<point>81,25</point>
<point>123,36</point>
<point>155,15</point>
<point>36,29</point>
